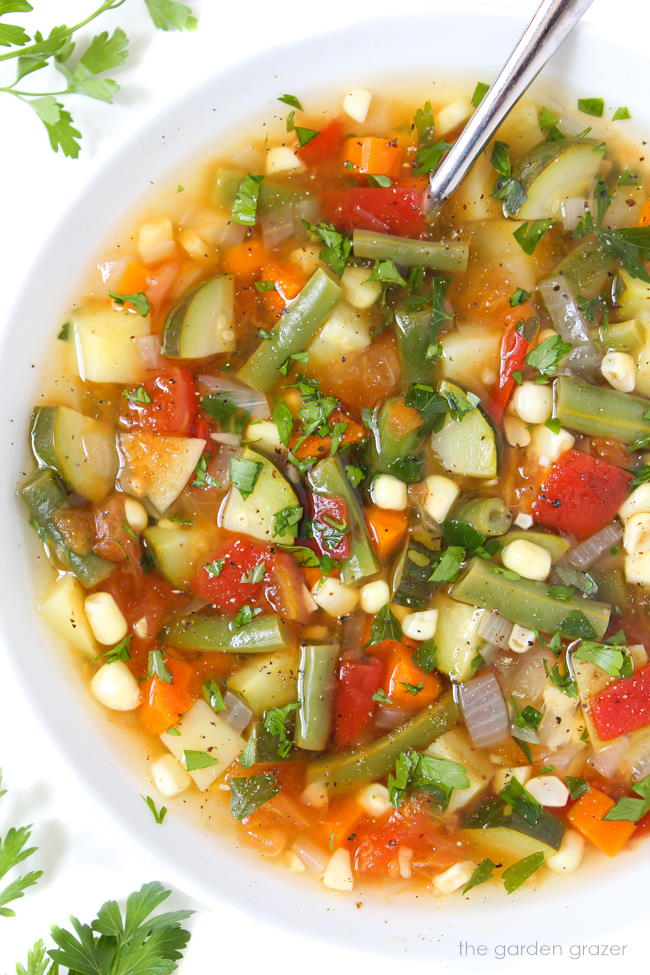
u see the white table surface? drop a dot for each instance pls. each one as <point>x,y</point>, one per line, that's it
<point>84,860</point>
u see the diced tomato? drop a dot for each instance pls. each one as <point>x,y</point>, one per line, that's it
<point>581,494</point>
<point>142,596</point>
<point>114,540</point>
<point>163,702</point>
<point>326,145</point>
<point>412,826</point>
<point>331,526</point>
<point>173,405</point>
<point>395,209</point>
<point>353,704</point>
<point>622,707</point>
<point>219,580</point>
<point>513,352</point>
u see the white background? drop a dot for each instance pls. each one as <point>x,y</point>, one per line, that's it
<point>85,860</point>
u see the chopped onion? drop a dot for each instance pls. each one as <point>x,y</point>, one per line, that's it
<point>495,629</point>
<point>230,439</point>
<point>563,310</point>
<point>528,679</point>
<point>573,207</point>
<point>237,714</point>
<point>313,857</point>
<point>587,552</point>
<point>562,758</point>
<point>243,396</point>
<point>149,350</point>
<point>277,226</point>
<point>584,358</point>
<point>388,718</point>
<point>484,710</point>
<point>233,234</point>
<point>304,210</point>
<point>608,759</point>
<point>525,734</point>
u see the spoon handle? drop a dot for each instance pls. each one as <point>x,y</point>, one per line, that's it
<point>552,23</point>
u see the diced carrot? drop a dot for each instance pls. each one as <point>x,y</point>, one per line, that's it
<point>289,281</point>
<point>315,446</point>
<point>387,529</point>
<point>406,685</point>
<point>134,279</point>
<point>245,260</point>
<point>586,815</point>
<point>378,157</point>
<point>312,575</point>
<point>644,214</point>
<point>161,281</point>
<point>337,827</point>
<point>402,419</point>
<point>163,703</point>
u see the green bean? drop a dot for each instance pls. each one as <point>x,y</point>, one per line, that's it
<point>345,773</point>
<point>523,601</point>
<point>612,587</point>
<point>293,332</point>
<point>214,634</point>
<point>328,477</point>
<point>414,337</point>
<point>552,543</point>
<point>489,516</point>
<point>601,412</point>
<point>442,255</point>
<point>587,267</point>
<point>227,182</point>
<point>44,495</point>
<point>316,695</point>
<point>623,337</point>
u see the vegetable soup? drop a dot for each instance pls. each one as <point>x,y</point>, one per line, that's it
<point>348,505</point>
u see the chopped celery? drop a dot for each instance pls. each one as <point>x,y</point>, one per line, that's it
<point>601,412</point>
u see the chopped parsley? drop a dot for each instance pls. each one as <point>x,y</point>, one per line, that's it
<point>215,568</point>
<point>292,101</point>
<point>244,207</point>
<point>546,357</point>
<point>158,814</point>
<point>245,615</point>
<point>137,395</point>
<point>480,92</point>
<point>286,519</point>
<point>195,760</point>
<point>530,233</point>
<point>519,297</point>
<point>514,876</point>
<point>592,106</point>
<point>212,695</point>
<point>137,300</point>
<point>249,793</point>
<point>630,809</point>
<point>275,722</point>
<point>156,667</point>
<point>244,474</point>
<point>337,246</point>
<point>482,873</point>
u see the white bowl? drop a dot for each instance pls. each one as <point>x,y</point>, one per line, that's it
<point>454,40</point>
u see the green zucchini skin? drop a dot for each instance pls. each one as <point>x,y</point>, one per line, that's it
<point>346,772</point>
<point>201,324</point>
<point>508,834</point>
<point>468,446</point>
<point>552,171</point>
<point>44,494</point>
<point>411,586</point>
<point>79,448</point>
<point>213,634</point>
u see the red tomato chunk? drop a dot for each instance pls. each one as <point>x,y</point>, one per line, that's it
<point>172,409</point>
<point>224,579</point>
<point>581,495</point>
<point>331,526</point>
<point>393,210</point>
<point>353,704</point>
<point>622,707</point>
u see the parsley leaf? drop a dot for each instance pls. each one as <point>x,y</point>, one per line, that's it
<point>231,417</point>
<point>515,795</point>
<point>158,814</point>
<point>629,809</point>
<point>381,697</point>
<point>507,189</point>
<point>14,850</point>
<point>530,233</point>
<point>201,478</point>
<point>622,112</point>
<point>519,297</point>
<point>275,722</point>
<point>480,92</point>
<point>386,272</point>
<point>212,695</point>
<point>244,474</point>
<point>285,519</point>
<point>424,124</point>
<point>563,682</point>
<point>546,357</point>
<point>448,565</point>
<point>291,100</point>
<point>577,624</point>
<point>248,794</point>
<point>428,158</point>
<point>121,651</point>
<point>58,124</point>
<point>195,760</point>
<point>592,106</point>
<point>514,876</point>
<point>613,660</point>
<point>630,246</point>
<point>136,943</point>
<point>426,656</point>
<point>482,873</point>
<point>245,616</point>
<point>139,301</point>
<point>244,207</point>
<point>385,626</point>
<point>337,246</point>
<point>156,667</point>
<point>577,787</point>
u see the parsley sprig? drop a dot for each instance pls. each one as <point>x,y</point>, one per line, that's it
<point>14,850</point>
<point>83,67</point>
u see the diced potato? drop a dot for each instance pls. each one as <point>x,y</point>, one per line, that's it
<point>456,746</point>
<point>470,356</point>
<point>346,330</point>
<point>158,467</point>
<point>106,343</point>
<point>202,730</point>
<point>62,607</point>
<point>156,241</point>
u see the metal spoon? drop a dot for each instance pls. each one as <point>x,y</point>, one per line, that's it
<point>552,23</point>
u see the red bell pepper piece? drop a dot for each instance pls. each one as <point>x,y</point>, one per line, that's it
<point>323,146</point>
<point>622,707</point>
<point>222,580</point>
<point>330,525</point>
<point>353,704</point>
<point>513,353</point>
<point>581,494</point>
<point>392,210</point>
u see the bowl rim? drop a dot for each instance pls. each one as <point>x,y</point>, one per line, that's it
<point>333,918</point>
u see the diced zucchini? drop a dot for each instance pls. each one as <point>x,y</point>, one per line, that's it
<point>106,343</point>
<point>263,435</point>
<point>587,268</point>
<point>457,639</point>
<point>44,495</point>
<point>202,730</point>
<point>158,467</point>
<point>62,608</point>
<point>79,448</point>
<point>624,209</point>
<point>180,550</point>
<point>328,477</point>
<point>411,586</point>
<point>635,297</point>
<point>346,330</point>
<point>262,746</point>
<point>456,746</point>
<point>267,682</point>
<point>466,445</point>
<point>552,543</point>
<point>254,515</point>
<point>553,171</point>
<point>590,679</point>
<point>208,633</point>
<point>201,324</point>
<point>509,837</point>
